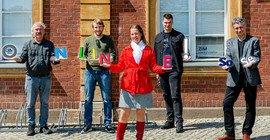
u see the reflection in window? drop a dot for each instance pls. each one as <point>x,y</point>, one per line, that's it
<point>16,5</point>
<point>209,47</point>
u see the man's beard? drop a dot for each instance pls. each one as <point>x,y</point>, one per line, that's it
<point>98,33</point>
<point>35,35</point>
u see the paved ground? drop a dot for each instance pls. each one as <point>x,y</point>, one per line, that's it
<point>195,129</point>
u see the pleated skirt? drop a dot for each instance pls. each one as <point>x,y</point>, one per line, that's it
<point>140,101</point>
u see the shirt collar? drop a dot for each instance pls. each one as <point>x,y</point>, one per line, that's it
<point>34,41</point>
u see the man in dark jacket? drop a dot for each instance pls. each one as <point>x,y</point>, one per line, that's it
<point>38,54</point>
<point>240,76</point>
<point>170,43</point>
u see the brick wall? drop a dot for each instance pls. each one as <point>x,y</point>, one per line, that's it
<point>62,19</point>
<point>197,91</point>
<point>12,93</point>
<point>63,29</point>
<point>257,13</point>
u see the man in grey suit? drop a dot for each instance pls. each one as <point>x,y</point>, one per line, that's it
<point>246,76</point>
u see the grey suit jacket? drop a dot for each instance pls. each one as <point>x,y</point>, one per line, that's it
<point>251,48</point>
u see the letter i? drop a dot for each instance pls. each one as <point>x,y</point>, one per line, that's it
<point>94,54</point>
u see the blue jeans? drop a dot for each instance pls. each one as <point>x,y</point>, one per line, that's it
<point>33,86</point>
<point>104,81</point>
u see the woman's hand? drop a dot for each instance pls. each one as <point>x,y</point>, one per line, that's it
<point>107,66</point>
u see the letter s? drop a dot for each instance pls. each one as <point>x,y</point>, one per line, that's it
<point>222,62</point>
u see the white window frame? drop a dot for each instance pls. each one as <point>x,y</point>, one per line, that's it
<point>192,33</point>
<point>8,63</point>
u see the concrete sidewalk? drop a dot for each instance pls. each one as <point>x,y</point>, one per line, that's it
<point>195,129</point>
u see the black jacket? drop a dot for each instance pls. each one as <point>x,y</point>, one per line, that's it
<point>38,57</point>
<point>176,41</point>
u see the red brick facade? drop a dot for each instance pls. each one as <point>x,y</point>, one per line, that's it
<point>257,14</point>
<point>62,19</point>
<point>63,28</point>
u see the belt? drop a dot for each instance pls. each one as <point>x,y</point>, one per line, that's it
<point>42,75</point>
<point>135,77</point>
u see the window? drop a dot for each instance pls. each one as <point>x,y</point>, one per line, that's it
<point>203,22</point>
<point>15,28</point>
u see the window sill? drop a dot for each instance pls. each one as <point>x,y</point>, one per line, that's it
<point>12,72</point>
<point>11,65</point>
<point>201,71</point>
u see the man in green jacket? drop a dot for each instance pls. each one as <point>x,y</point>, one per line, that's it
<point>92,48</point>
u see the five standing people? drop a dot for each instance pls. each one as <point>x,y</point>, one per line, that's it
<point>240,77</point>
<point>136,85</point>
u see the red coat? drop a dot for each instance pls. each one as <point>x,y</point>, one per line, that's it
<point>136,78</point>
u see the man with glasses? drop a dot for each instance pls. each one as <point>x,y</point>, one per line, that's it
<point>92,48</point>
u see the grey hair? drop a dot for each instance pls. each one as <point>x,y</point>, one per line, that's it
<point>38,23</point>
<point>237,20</point>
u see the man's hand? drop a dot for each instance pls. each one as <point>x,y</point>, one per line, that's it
<point>58,60</point>
<point>225,67</point>
<point>17,59</point>
<point>166,68</point>
<point>249,64</point>
<point>95,60</point>
<point>157,77</point>
<point>186,60</point>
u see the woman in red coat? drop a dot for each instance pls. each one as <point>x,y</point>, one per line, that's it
<point>136,84</point>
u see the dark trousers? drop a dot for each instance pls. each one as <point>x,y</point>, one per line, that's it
<point>230,98</point>
<point>170,85</point>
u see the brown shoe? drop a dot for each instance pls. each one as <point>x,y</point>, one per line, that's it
<point>225,137</point>
<point>246,137</point>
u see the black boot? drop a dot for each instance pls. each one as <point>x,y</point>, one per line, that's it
<point>31,130</point>
<point>45,130</point>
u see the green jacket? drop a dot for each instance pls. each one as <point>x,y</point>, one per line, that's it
<point>106,46</point>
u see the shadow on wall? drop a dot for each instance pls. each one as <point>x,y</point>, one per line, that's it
<point>57,88</point>
<point>122,16</point>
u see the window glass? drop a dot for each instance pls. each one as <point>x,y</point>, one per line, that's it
<point>11,26</point>
<point>16,5</point>
<point>173,5</point>
<point>180,22</point>
<point>209,23</point>
<point>209,47</point>
<point>16,41</point>
<point>15,28</point>
<point>202,5</point>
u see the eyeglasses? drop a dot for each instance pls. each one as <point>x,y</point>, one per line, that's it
<point>98,43</point>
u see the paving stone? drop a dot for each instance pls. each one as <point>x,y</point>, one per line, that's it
<point>195,129</point>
